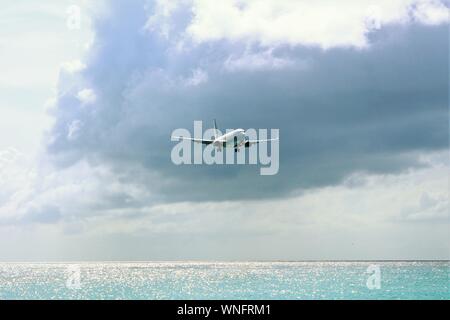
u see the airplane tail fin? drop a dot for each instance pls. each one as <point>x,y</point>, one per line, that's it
<point>216,134</point>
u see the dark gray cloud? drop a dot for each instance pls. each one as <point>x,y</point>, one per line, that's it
<point>339,111</point>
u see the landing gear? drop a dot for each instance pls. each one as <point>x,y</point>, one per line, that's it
<point>236,147</point>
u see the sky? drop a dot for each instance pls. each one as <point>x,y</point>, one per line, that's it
<point>90,93</point>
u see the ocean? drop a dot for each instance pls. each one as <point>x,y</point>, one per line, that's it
<point>226,280</point>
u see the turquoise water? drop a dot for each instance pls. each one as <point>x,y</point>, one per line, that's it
<point>223,280</point>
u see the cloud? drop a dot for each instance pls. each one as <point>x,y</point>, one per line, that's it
<point>338,111</point>
<point>73,66</point>
<point>74,129</point>
<point>198,77</point>
<point>46,214</point>
<point>376,199</point>
<point>302,22</point>
<point>431,12</point>
<point>258,61</point>
<point>91,215</point>
<point>86,96</point>
<point>25,38</point>
<point>33,192</point>
<point>363,128</point>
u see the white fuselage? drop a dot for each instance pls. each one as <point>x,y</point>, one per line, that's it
<point>232,139</point>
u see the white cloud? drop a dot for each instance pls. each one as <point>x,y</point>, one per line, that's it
<point>94,199</point>
<point>316,23</point>
<point>87,96</point>
<point>198,77</point>
<point>73,130</point>
<point>361,200</point>
<point>258,61</point>
<point>34,40</point>
<point>369,210</point>
<point>73,66</point>
<point>159,21</point>
<point>431,12</point>
<point>33,192</point>
<point>428,207</point>
<point>366,220</point>
<point>16,175</point>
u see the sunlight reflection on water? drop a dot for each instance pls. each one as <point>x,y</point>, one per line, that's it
<point>224,280</point>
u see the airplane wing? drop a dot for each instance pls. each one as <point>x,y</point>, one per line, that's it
<point>203,141</point>
<point>248,143</point>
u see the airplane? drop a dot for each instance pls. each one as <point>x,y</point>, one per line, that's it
<point>234,139</point>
